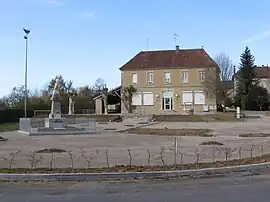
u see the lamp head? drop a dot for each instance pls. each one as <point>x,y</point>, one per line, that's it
<point>27,31</point>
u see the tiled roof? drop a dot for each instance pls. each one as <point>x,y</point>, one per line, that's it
<point>191,58</point>
<point>261,72</point>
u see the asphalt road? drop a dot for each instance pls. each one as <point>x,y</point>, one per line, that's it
<point>230,189</point>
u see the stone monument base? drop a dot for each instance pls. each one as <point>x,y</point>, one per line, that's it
<point>56,126</point>
<point>55,123</point>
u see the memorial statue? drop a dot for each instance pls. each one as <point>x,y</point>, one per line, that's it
<point>56,87</point>
<point>56,105</point>
<point>71,105</point>
<point>104,93</point>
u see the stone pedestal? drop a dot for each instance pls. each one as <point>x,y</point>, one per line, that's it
<point>55,123</point>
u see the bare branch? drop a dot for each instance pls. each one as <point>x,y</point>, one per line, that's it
<point>225,65</point>
<point>162,149</point>
<point>90,158</point>
<point>34,160</point>
<point>251,150</point>
<point>107,158</point>
<point>51,161</point>
<point>149,157</point>
<point>198,155</point>
<point>71,159</point>
<point>131,156</point>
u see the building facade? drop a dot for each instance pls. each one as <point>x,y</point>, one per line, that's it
<point>170,81</point>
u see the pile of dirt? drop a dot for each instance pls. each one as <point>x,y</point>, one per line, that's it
<point>2,139</point>
<point>254,135</point>
<point>170,132</point>
<point>51,150</point>
<point>215,143</point>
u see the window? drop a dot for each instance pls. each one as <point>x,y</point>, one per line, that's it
<point>187,97</point>
<point>202,76</point>
<point>185,77</point>
<point>148,98</point>
<point>150,77</point>
<point>167,100</point>
<point>137,99</point>
<point>199,98</point>
<point>134,78</point>
<point>167,77</point>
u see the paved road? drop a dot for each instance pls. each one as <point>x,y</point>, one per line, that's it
<point>232,189</point>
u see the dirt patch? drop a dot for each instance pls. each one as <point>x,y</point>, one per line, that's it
<point>51,150</point>
<point>2,139</point>
<point>215,143</point>
<point>109,128</point>
<point>254,135</point>
<point>218,117</point>
<point>170,132</point>
<point>123,168</point>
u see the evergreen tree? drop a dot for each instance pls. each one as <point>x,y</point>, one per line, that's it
<point>246,78</point>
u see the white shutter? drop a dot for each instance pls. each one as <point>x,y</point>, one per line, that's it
<point>199,98</point>
<point>137,99</point>
<point>134,78</point>
<point>187,97</point>
<point>148,99</point>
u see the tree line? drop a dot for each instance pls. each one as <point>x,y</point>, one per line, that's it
<point>40,99</point>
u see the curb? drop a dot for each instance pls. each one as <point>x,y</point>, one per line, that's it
<point>131,175</point>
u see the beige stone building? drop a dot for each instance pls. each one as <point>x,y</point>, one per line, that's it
<point>170,81</point>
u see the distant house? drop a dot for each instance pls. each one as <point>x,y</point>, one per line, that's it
<point>228,87</point>
<point>113,99</point>
<point>169,81</point>
<point>262,73</point>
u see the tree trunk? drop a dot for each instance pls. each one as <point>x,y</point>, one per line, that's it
<point>130,106</point>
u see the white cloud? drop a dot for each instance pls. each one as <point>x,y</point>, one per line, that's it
<point>88,15</point>
<point>258,37</point>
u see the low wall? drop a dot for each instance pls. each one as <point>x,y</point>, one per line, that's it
<point>80,118</point>
<point>97,117</point>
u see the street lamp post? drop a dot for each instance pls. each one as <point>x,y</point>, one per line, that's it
<point>27,32</point>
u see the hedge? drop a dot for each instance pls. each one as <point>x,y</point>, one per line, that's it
<point>13,115</point>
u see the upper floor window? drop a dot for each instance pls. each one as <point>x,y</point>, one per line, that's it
<point>202,76</point>
<point>134,78</point>
<point>185,77</point>
<point>150,77</point>
<point>167,77</point>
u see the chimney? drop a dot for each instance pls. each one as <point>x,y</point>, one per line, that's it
<point>177,47</point>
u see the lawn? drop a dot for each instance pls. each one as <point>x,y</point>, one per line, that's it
<point>9,127</point>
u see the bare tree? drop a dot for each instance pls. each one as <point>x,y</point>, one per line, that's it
<point>34,160</point>
<point>90,158</point>
<point>215,77</point>
<point>107,158</point>
<point>99,85</point>
<point>70,154</point>
<point>225,65</point>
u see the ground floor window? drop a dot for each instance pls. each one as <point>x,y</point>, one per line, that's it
<point>199,98</point>
<point>148,98</point>
<point>187,97</point>
<point>167,100</point>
